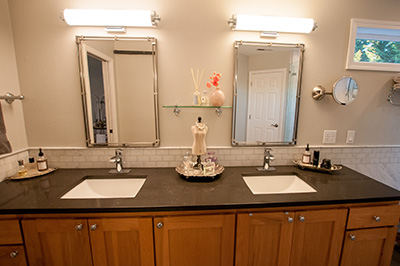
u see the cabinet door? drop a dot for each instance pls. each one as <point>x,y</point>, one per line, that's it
<point>12,256</point>
<point>204,240</point>
<point>318,237</point>
<point>122,241</point>
<point>369,247</point>
<point>57,242</point>
<point>264,239</point>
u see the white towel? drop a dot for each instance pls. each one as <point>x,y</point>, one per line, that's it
<point>397,78</point>
<point>5,146</point>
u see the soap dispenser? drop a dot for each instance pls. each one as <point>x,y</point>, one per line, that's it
<point>41,161</point>
<point>306,155</point>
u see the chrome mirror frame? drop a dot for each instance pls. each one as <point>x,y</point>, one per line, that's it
<point>293,141</point>
<point>89,138</point>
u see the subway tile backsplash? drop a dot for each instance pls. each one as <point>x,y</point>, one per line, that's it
<point>227,156</point>
<point>171,157</point>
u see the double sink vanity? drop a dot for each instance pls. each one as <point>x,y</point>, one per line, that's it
<point>154,217</point>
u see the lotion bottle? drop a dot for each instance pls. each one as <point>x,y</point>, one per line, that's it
<point>306,159</point>
<point>41,161</point>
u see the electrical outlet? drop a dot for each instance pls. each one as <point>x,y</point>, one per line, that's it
<point>329,136</point>
<point>351,134</point>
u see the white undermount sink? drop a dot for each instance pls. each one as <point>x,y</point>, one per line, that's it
<point>277,184</point>
<point>101,188</point>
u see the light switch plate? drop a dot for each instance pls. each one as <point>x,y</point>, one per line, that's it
<point>329,136</point>
<point>351,134</point>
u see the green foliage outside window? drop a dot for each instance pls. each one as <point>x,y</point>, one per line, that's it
<point>376,51</point>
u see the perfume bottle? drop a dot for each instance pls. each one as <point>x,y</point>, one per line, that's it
<point>22,171</point>
<point>205,100</point>
<point>209,167</point>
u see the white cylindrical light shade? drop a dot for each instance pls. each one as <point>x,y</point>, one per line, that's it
<point>102,17</point>
<point>274,24</point>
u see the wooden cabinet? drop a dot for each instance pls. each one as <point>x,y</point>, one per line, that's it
<point>12,255</point>
<point>60,242</point>
<point>264,238</point>
<point>318,237</point>
<point>119,241</point>
<point>297,239</point>
<point>370,236</point>
<point>12,251</point>
<point>200,240</point>
<point>122,241</point>
<point>346,234</point>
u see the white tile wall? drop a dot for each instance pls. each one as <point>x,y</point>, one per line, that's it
<point>379,162</point>
<point>9,163</point>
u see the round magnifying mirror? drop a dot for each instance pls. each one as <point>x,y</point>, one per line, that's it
<point>345,90</point>
<point>394,97</point>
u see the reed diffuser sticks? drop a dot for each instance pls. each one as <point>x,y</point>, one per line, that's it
<point>197,80</point>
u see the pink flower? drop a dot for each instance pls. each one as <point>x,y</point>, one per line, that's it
<point>214,79</point>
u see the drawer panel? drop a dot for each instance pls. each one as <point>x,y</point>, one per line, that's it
<point>10,232</point>
<point>376,216</point>
<point>12,256</point>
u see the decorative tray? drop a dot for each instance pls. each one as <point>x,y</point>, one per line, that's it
<point>317,168</point>
<point>218,170</point>
<point>32,173</point>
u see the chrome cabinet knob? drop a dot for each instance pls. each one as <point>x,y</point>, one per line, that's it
<point>352,237</point>
<point>160,225</point>
<point>302,218</point>
<point>79,227</point>
<point>377,218</point>
<point>14,254</point>
<point>290,219</point>
<point>93,227</point>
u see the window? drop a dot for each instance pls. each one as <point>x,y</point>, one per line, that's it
<point>374,45</point>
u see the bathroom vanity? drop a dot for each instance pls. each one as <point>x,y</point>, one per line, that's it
<point>349,220</point>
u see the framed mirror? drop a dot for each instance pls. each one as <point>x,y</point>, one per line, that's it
<point>374,45</point>
<point>266,93</point>
<point>119,90</point>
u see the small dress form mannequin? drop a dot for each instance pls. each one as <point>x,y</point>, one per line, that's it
<point>199,131</point>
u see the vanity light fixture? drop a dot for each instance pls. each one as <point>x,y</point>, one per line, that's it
<point>269,26</point>
<point>113,20</point>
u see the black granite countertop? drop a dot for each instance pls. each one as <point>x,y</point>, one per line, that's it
<point>165,190</point>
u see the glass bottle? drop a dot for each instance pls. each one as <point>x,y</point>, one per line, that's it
<point>205,101</point>
<point>187,163</point>
<point>22,171</point>
<point>196,98</point>
<point>209,167</point>
<point>41,161</point>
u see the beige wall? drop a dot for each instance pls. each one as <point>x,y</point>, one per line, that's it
<point>13,115</point>
<point>196,34</point>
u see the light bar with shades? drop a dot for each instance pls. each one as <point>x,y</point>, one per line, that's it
<point>110,17</point>
<point>272,24</point>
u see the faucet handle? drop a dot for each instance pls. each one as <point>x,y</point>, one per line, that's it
<point>118,152</point>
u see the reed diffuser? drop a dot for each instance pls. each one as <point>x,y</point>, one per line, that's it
<point>196,81</point>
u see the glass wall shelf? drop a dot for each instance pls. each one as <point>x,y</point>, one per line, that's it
<point>177,108</point>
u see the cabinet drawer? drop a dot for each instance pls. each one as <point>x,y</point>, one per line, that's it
<point>10,232</point>
<point>12,256</point>
<point>376,216</point>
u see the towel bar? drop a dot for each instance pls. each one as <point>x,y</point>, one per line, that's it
<point>9,97</point>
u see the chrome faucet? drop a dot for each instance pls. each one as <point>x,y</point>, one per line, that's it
<point>117,159</point>
<point>268,157</point>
